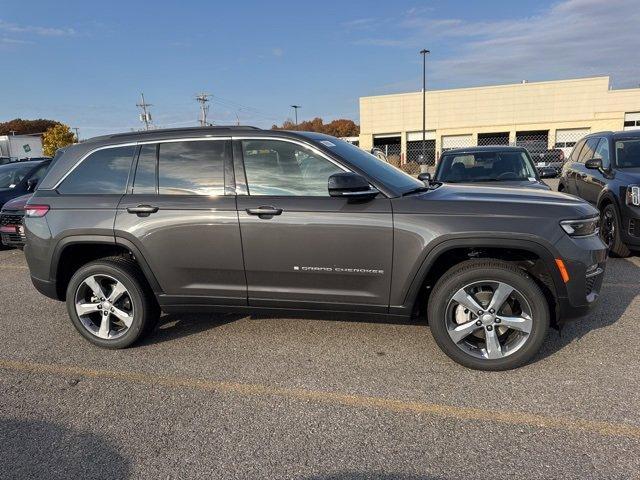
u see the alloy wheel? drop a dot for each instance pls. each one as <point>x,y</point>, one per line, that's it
<point>104,306</point>
<point>608,227</point>
<point>489,319</point>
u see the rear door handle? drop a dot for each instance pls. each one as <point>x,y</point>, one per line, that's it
<point>266,211</point>
<point>143,210</point>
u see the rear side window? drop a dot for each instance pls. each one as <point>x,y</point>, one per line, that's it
<point>588,150</point>
<point>103,172</point>
<point>193,167</point>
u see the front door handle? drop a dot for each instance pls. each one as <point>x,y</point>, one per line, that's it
<point>143,210</point>
<point>265,211</point>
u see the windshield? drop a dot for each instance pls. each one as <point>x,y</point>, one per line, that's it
<point>485,167</point>
<point>628,153</point>
<point>13,173</point>
<point>386,173</point>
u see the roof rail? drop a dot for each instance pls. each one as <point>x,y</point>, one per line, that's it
<point>183,129</point>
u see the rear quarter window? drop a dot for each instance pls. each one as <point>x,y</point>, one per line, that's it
<point>103,172</point>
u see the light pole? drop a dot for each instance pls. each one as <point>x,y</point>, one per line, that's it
<point>295,108</point>
<point>424,53</point>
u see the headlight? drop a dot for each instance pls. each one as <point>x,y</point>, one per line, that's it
<point>581,228</point>
<point>633,195</point>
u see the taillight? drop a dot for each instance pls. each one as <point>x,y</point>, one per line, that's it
<point>35,211</point>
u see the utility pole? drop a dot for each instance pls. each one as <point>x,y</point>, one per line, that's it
<point>77,133</point>
<point>424,54</point>
<point>145,116</point>
<point>203,98</point>
<point>295,108</point>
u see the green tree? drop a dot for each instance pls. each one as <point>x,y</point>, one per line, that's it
<point>56,137</point>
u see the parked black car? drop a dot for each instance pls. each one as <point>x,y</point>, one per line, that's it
<point>11,228</point>
<point>239,219</point>
<point>604,169</point>
<point>493,166</point>
<point>19,178</point>
<point>551,159</point>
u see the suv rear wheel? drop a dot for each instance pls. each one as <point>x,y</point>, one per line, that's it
<point>488,315</point>
<point>110,303</point>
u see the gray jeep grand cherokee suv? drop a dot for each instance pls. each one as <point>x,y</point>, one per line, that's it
<point>238,219</point>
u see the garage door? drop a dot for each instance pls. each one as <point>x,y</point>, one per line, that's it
<point>456,141</point>
<point>567,138</point>
<point>632,121</point>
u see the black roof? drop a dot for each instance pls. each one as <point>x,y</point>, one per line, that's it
<point>485,148</point>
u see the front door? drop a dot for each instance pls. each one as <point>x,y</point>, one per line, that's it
<point>303,248</point>
<point>596,179</point>
<point>178,216</point>
<point>584,174</point>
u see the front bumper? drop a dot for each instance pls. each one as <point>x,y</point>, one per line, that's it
<point>630,225</point>
<point>585,260</point>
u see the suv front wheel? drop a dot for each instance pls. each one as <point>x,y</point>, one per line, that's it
<point>110,303</point>
<point>488,315</point>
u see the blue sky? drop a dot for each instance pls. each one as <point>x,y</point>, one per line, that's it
<point>86,62</point>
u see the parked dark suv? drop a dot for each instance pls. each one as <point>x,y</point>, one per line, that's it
<point>604,169</point>
<point>303,224</point>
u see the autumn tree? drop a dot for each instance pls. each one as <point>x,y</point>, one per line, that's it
<point>338,128</point>
<point>26,127</point>
<point>56,137</point>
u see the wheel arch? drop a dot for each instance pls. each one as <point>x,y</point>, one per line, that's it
<point>74,251</point>
<point>533,256</point>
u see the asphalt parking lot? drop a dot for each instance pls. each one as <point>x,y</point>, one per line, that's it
<point>226,397</point>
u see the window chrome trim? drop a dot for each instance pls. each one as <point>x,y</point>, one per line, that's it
<point>297,142</point>
<point>133,144</point>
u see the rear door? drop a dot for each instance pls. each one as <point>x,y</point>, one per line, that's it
<point>570,171</point>
<point>303,248</point>
<point>178,216</point>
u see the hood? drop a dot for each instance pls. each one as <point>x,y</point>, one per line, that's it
<point>461,199</point>
<point>17,203</point>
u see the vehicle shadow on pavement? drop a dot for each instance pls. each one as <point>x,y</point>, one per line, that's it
<point>614,302</point>
<point>172,326</point>
<point>36,449</point>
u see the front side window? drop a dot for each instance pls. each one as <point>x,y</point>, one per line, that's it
<point>602,151</point>
<point>103,172</point>
<point>278,168</point>
<point>192,167</point>
<point>485,167</point>
<point>628,153</point>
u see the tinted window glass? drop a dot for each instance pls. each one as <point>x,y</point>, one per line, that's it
<point>193,167</point>
<point>602,151</point>
<point>485,167</point>
<point>588,150</point>
<point>103,172</point>
<point>628,153</point>
<point>575,153</point>
<point>274,167</point>
<point>145,180</point>
<point>39,172</point>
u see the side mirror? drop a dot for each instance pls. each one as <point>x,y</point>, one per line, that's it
<point>425,177</point>
<point>594,164</point>
<point>350,185</point>
<point>31,185</point>
<point>547,172</point>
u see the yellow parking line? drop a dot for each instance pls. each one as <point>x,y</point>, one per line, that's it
<point>381,403</point>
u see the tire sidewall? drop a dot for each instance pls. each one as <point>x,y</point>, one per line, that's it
<point>448,286</point>
<point>135,293</point>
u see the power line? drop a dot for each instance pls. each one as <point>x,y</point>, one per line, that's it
<point>145,116</point>
<point>203,98</point>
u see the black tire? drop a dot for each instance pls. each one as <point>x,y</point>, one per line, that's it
<point>561,188</point>
<point>492,270</point>
<point>145,307</point>
<point>614,242</point>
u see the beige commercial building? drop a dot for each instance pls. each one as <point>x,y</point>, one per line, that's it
<point>538,115</point>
